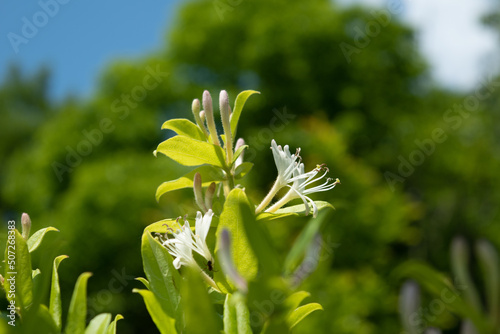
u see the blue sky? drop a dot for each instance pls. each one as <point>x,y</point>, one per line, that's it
<point>82,37</point>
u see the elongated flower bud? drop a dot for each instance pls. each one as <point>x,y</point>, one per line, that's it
<point>226,123</point>
<point>195,107</point>
<point>226,262</point>
<point>239,143</point>
<point>198,193</point>
<point>460,267</point>
<point>26,225</point>
<point>209,195</point>
<point>409,303</point>
<point>209,113</point>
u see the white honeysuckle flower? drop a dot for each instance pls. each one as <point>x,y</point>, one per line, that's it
<point>301,180</point>
<point>286,163</point>
<point>183,244</point>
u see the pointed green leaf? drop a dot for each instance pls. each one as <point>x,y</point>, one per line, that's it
<point>112,326</point>
<point>164,323</point>
<point>36,239</point>
<point>236,210</point>
<point>293,301</point>
<point>75,323</point>
<point>242,170</point>
<point>241,99</point>
<point>208,174</point>
<point>300,209</point>
<point>143,281</point>
<point>192,152</point>
<point>18,269</point>
<point>55,293</point>
<point>184,127</point>
<point>163,278</point>
<point>99,324</point>
<point>238,153</point>
<point>300,313</point>
<point>199,313</point>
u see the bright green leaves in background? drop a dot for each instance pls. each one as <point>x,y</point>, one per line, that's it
<point>31,315</point>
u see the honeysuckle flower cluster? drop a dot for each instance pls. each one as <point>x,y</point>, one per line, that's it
<point>291,170</point>
<point>184,242</point>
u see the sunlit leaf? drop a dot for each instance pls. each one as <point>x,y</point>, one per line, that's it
<point>236,315</point>
<point>18,269</point>
<point>208,174</point>
<point>236,210</point>
<point>164,323</point>
<point>300,313</point>
<point>192,152</point>
<point>184,127</point>
<point>75,323</point>
<point>99,324</point>
<point>242,170</point>
<point>112,326</point>
<point>241,99</point>
<point>36,239</point>
<point>55,293</point>
<point>162,276</point>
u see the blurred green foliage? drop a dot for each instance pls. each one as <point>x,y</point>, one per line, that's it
<point>86,167</point>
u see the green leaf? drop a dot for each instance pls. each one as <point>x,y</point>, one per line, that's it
<point>192,152</point>
<point>302,243</point>
<point>99,324</point>
<point>236,315</point>
<point>295,211</point>
<point>143,281</point>
<point>208,174</point>
<point>75,323</point>
<point>184,127</point>
<point>236,210</point>
<point>238,153</point>
<point>36,239</point>
<point>300,209</point>
<point>241,99</point>
<point>438,285</point>
<point>19,270</point>
<point>242,170</point>
<point>112,326</point>
<point>162,276</point>
<point>164,323</point>
<point>55,293</point>
<point>199,313</point>
<point>300,313</point>
<point>293,301</point>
